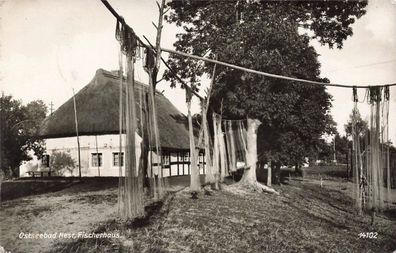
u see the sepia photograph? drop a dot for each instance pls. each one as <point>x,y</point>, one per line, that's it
<point>198,126</point>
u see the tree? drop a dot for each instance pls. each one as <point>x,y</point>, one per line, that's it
<point>323,151</point>
<point>361,125</point>
<point>36,112</point>
<point>61,162</point>
<point>342,145</point>
<point>266,36</point>
<point>212,27</point>
<point>19,126</point>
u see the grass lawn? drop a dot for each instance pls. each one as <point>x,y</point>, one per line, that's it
<point>303,218</point>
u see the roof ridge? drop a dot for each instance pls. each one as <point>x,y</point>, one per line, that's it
<point>98,113</point>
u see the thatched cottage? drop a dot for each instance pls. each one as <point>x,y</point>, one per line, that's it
<point>98,123</point>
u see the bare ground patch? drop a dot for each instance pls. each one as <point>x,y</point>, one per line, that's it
<point>61,212</point>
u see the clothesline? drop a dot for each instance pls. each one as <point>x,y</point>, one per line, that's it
<point>269,74</point>
<point>120,19</point>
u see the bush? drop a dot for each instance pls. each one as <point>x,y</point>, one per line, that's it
<point>61,162</point>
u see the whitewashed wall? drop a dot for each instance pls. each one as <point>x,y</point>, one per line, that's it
<point>107,145</point>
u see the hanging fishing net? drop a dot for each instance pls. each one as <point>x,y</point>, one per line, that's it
<point>142,177</point>
<point>229,146</point>
<point>371,157</point>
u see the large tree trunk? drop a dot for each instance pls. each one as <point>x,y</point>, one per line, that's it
<point>249,175</point>
<point>249,178</point>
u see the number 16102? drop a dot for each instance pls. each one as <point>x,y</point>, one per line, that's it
<point>368,235</point>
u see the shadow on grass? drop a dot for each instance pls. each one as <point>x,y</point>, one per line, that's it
<point>304,211</point>
<point>150,210</point>
<point>390,214</point>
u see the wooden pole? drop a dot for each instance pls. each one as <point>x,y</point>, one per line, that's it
<point>269,174</point>
<point>154,78</point>
<point>158,39</point>
<point>120,180</point>
<point>153,71</point>
<point>2,126</point>
<point>97,153</point>
<point>194,175</point>
<point>78,138</point>
<point>334,149</point>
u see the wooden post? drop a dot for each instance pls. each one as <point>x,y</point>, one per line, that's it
<point>97,153</point>
<point>152,70</point>
<point>388,181</point>
<point>349,164</point>
<point>194,176</point>
<point>269,174</point>
<point>78,138</point>
<point>2,123</point>
<point>178,164</point>
<point>216,153</point>
<point>158,40</point>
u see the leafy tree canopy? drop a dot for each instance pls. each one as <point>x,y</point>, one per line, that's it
<point>361,124</point>
<point>267,36</point>
<point>18,129</point>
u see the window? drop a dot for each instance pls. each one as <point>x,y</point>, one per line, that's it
<point>96,159</point>
<point>165,159</point>
<point>200,157</point>
<point>116,159</point>
<point>186,156</point>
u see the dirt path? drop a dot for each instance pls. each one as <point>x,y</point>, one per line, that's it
<point>62,212</point>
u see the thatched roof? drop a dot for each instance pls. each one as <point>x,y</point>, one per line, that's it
<point>98,113</point>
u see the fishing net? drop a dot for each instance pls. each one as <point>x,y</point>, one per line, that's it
<point>371,158</point>
<point>235,138</point>
<point>155,175</point>
<point>230,146</point>
<point>138,129</point>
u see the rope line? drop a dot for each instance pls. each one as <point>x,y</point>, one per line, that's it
<point>121,19</point>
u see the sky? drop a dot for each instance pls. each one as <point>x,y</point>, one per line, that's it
<point>50,47</point>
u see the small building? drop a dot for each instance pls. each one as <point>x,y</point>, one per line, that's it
<point>98,125</point>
